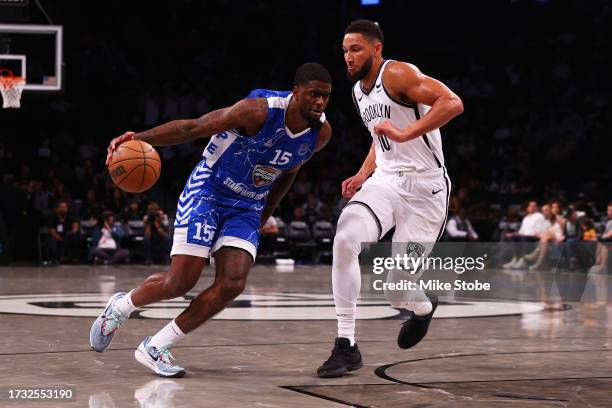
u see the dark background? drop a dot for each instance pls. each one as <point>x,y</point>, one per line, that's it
<point>533,76</point>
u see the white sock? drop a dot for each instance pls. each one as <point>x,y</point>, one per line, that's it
<point>346,323</point>
<point>167,336</point>
<point>356,225</point>
<point>125,305</point>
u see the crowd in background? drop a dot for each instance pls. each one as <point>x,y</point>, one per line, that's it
<point>536,122</point>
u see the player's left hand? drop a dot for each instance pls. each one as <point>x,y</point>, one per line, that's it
<point>388,129</point>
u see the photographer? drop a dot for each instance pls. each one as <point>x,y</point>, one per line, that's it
<point>157,239</point>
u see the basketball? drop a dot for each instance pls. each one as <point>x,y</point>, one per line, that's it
<point>135,166</point>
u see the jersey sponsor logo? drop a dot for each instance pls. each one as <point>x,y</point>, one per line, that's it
<point>304,149</point>
<point>378,110</point>
<point>263,175</point>
<point>436,191</point>
<point>242,190</point>
<point>247,306</point>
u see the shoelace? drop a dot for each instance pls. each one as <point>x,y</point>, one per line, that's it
<point>111,323</point>
<point>165,355</point>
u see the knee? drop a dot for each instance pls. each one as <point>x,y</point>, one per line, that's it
<point>345,243</point>
<point>175,287</point>
<point>229,289</point>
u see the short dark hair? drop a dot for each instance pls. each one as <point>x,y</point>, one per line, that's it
<point>311,71</point>
<point>367,28</point>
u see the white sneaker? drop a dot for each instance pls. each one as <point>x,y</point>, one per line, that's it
<point>596,269</point>
<point>510,264</point>
<point>520,264</point>
<point>106,325</point>
<point>536,267</point>
<point>158,360</point>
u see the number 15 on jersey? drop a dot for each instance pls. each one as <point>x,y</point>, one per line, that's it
<point>203,233</point>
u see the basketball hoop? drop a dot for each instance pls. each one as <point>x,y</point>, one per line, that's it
<point>11,87</point>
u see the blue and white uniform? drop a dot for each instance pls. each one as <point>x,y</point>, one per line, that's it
<point>225,194</point>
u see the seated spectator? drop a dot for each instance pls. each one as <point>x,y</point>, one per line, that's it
<point>106,241</point>
<point>604,246</point>
<point>157,239</point>
<point>532,226</point>
<point>312,208</point>
<point>132,211</point>
<point>510,223</point>
<point>583,247</point>
<point>459,228</point>
<point>553,234</point>
<point>64,239</point>
<point>589,233</point>
<point>571,230</point>
<point>298,214</point>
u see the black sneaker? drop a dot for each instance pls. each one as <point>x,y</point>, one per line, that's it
<point>343,359</point>
<point>415,328</point>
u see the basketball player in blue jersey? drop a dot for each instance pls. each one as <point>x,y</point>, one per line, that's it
<point>408,190</point>
<point>256,149</point>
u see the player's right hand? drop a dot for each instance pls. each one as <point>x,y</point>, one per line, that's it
<point>116,142</point>
<point>351,185</point>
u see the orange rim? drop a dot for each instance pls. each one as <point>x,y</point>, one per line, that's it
<point>11,81</point>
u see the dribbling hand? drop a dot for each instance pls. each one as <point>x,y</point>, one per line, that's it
<point>116,142</point>
<point>351,185</point>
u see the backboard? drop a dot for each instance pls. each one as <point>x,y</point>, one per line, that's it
<point>34,52</point>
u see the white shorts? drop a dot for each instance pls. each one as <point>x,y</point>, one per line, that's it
<point>416,204</point>
<point>180,246</point>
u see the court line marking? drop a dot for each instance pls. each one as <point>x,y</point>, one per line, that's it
<point>320,342</point>
<point>298,388</point>
<point>325,397</point>
<point>381,371</point>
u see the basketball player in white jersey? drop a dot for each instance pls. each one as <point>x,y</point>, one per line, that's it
<point>408,189</point>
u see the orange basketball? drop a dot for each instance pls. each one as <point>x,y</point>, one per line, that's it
<point>135,166</point>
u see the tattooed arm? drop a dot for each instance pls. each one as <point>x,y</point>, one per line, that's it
<point>248,114</point>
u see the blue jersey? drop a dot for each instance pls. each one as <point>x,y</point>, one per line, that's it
<point>237,171</point>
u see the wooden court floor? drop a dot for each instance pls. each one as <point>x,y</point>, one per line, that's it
<point>264,350</point>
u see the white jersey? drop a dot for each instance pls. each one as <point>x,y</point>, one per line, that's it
<point>420,154</point>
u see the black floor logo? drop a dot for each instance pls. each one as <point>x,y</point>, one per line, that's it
<point>248,306</point>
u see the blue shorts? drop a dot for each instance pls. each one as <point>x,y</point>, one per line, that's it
<point>212,226</point>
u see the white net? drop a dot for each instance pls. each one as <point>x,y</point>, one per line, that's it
<point>11,88</point>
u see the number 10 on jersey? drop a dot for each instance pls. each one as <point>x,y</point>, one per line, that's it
<point>385,145</point>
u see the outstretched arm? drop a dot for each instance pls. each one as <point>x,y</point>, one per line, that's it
<point>405,82</point>
<point>249,114</point>
<point>285,181</point>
